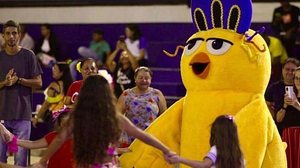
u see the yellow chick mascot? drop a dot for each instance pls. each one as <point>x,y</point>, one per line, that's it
<point>225,68</point>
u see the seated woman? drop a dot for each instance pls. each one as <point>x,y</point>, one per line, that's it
<point>135,44</point>
<point>54,93</point>
<point>47,47</point>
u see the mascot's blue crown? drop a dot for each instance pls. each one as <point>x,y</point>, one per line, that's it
<point>233,15</point>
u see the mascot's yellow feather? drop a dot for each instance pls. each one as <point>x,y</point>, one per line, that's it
<point>225,68</point>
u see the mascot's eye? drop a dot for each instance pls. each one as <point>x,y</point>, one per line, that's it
<point>192,46</point>
<point>217,46</point>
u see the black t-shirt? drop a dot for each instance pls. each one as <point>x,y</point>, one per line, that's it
<point>15,101</point>
<point>123,79</point>
<point>291,118</point>
<point>275,93</point>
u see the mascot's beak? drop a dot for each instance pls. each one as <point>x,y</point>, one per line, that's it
<point>200,65</point>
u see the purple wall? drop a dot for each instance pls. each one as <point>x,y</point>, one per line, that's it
<point>159,36</point>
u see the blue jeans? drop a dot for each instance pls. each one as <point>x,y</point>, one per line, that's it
<point>20,128</point>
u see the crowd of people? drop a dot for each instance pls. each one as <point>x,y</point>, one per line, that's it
<point>285,64</point>
<point>120,109</point>
<point>285,24</point>
<point>282,98</point>
<point>284,104</point>
<point>78,108</point>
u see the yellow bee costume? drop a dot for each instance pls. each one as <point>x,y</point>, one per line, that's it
<point>225,68</point>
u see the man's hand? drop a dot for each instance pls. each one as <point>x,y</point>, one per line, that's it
<point>7,81</point>
<point>11,78</point>
<point>9,74</point>
<point>14,79</point>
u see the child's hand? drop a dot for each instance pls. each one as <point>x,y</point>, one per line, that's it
<point>169,155</point>
<point>5,134</point>
<point>11,78</point>
<point>173,159</point>
<point>123,150</point>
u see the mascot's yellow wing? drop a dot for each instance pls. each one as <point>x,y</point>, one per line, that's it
<point>259,138</point>
<point>167,129</point>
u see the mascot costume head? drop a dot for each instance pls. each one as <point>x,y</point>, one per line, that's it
<point>225,68</point>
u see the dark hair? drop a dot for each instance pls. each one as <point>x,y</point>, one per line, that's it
<point>137,70</point>
<point>291,60</point>
<point>11,23</point>
<point>66,78</point>
<point>224,136</point>
<point>58,117</point>
<point>47,25</point>
<point>97,31</point>
<point>95,121</point>
<point>81,62</point>
<point>136,31</point>
<point>84,60</point>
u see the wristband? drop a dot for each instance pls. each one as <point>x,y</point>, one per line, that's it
<point>12,145</point>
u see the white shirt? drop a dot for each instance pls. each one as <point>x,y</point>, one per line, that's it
<point>45,46</point>
<point>27,42</point>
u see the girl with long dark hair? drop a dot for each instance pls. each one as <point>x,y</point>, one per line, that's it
<point>225,149</point>
<point>95,126</point>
